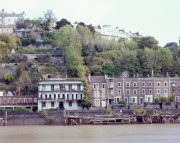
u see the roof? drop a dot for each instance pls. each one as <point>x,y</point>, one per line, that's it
<point>49,82</point>
<point>97,79</point>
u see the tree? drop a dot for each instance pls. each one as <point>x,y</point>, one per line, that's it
<point>9,77</point>
<point>62,23</point>
<point>21,23</point>
<point>149,42</point>
<point>165,59</point>
<point>171,45</point>
<point>48,20</point>
<point>3,49</point>
<point>86,102</point>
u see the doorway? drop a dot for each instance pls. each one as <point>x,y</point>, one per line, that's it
<point>61,105</point>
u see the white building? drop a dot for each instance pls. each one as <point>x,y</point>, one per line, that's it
<point>114,33</point>
<point>7,19</point>
<point>60,93</point>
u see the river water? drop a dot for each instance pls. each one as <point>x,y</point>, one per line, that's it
<point>149,133</point>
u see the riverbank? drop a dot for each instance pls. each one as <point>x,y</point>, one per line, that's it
<point>87,117</point>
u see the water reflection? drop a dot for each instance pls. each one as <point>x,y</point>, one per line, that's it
<point>91,134</point>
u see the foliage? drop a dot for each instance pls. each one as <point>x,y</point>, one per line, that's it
<point>86,102</point>
<point>62,23</point>
<point>140,111</point>
<point>122,102</point>
<point>9,77</point>
<point>162,99</point>
<point>11,41</point>
<point>171,98</point>
<point>108,112</point>
<point>17,110</point>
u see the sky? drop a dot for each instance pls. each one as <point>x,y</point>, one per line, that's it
<point>157,18</point>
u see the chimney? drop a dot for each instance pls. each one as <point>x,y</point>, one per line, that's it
<point>18,91</point>
<point>152,74</point>
<point>3,17</point>
<point>89,78</point>
<point>167,74</point>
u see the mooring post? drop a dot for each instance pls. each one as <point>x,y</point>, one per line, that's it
<point>5,118</point>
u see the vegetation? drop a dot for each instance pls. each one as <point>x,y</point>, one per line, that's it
<point>17,110</point>
<point>140,111</point>
<point>108,112</point>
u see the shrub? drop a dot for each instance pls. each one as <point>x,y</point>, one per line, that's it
<point>44,114</point>
<point>140,111</point>
<point>108,112</point>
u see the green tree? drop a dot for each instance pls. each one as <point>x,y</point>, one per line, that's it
<point>9,77</point>
<point>62,23</point>
<point>149,42</point>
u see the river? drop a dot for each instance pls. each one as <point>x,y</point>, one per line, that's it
<point>149,133</point>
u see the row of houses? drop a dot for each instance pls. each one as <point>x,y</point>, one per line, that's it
<point>103,90</point>
<point>110,33</point>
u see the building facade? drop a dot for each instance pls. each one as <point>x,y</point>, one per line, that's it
<point>115,33</point>
<point>8,19</point>
<point>60,93</point>
<point>98,90</point>
<point>136,90</point>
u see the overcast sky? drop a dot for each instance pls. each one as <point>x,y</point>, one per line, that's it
<point>158,18</point>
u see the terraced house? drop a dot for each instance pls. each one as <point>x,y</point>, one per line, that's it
<point>135,90</point>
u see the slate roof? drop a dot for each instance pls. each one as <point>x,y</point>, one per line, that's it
<point>97,79</point>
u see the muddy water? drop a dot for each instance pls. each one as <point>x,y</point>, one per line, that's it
<point>155,133</point>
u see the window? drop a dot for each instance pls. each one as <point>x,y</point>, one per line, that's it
<point>158,91</point>
<point>135,84</point>
<point>143,91</point>
<point>119,84</point>
<point>134,91</point>
<point>165,83</point>
<point>61,87</point>
<point>132,100</point>
<point>35,100</point>
<point>25,100</point>
<point>117,99</point>
<point>67,96</point>
<point>150,84</point>
<point>173,91</point>
<point>30,100</point>
<point>9,101</point>
<point>148,99</point>
<point>70,104</point>
<point>150,91</point>
<point>173,84</point>
<point>78,87</point>
<point>177,99</point>
<point>81,96</point>
<point>14,101</point>
<point>76,96</point>
<point>95,85</point>
<point>165,91</point>
<point>127,84</point>
<point>20,100</point>
<point>103,93</point>
<point>70,86</point>
<point>112,92</point>
<point>158,84</point>
<point>52,87</point>
<point>54,96</point>
<point>103,86</point>
<point>127,91</point>
<point>43,104</point>
<point>49,96</point>
<point>52,104</point>
<point>143,84</point>
<point>119,92</point>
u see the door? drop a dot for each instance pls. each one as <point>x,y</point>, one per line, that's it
<point>61,106</point>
